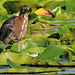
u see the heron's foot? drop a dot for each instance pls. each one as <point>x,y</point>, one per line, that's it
<point>23,41</point>
<point>4,49</point>
<point>18,50</point>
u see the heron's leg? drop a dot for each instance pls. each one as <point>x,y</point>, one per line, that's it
<point>6,43</point>
<point>19,46</point>
<point>5,47</point>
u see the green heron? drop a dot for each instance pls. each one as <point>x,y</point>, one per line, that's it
<point>15,28</point>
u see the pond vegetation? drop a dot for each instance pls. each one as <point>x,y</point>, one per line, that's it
<point>49,45</point>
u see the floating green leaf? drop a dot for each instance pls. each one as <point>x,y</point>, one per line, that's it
<point>44,43</point>
<point>68,64</point>
<point>2,10</point>
<point>58,11</point>
<point>18,4</point>
<point>24,46</point>
<point>51,51</point>
<point>32,17</point>
<point>69,5</point>
<point>16,70</point>
<point>35,49</point>
<point>1,46</point>
<point>50,4</point>
<point>73,47</point>
<point>64,27</point>
<point>17,58</point>
<point>45,70</point>
<point>65,17</point>
<point>1,43</point>
<point>14,65</point>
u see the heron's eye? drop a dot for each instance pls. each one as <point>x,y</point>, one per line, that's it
<point>28,8</point>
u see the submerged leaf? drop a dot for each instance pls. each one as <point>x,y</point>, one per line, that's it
<point>1,67</point>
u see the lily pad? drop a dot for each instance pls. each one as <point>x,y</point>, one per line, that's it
<point>45,70</point>
<point>35,49</point>
<point>16,58</point>
<point>16,70</point>
<point>18,4</point>
<point>51,51</point>
<point>44,43</point>
<point>64,27</point>
<point>2,10</point>
<point>32,17</point>
<point>40,37</point>
<point>65,16</point>
<point>24,46</point>
<point>69,5</point>
<point>68,64</point>
<point>15,65</point>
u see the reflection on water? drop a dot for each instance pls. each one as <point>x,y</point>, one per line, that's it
<point>73,23</point>
<point>67,71</point>
<point>4,68</point>
<point>61,70</point>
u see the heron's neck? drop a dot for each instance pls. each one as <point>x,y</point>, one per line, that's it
<point>23,15</point>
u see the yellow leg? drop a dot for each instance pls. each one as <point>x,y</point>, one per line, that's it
<point>19,46</point>
<point>4,47</point>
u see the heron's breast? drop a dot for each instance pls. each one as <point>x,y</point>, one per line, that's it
<point>24,28</point>
<point>20,27</point>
